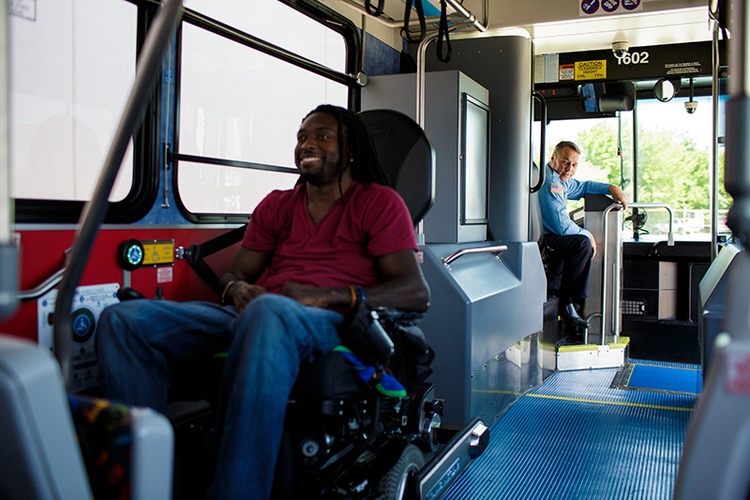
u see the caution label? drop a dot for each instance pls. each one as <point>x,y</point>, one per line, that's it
<point>591,70</point>
<point>567,72</point>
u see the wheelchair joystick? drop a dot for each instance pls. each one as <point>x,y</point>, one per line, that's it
<point>310,448</point>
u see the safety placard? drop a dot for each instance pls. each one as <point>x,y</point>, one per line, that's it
<point>590,8</point>
<point>631,5</point>
<point>88,303</point>
<point>158,252</point>
<point>591,70</point>
<point>567,72</point>
<point>610,5</point>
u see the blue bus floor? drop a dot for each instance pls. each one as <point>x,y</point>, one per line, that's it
<point>576,437</point>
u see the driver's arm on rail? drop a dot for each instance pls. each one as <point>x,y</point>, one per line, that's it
<point>618,195</point>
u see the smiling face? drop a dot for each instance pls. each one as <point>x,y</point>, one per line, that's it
<point>317,152</point>
<point>565,163</point>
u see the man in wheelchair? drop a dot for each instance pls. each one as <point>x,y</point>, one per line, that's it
<point>310,255</point>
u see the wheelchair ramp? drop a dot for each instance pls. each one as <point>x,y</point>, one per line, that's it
<point>576,437</point>
<point>660,377</point>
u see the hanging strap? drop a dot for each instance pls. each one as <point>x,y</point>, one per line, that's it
<point>374,11</point>
<point>422,22</point>
<point>443,33</point>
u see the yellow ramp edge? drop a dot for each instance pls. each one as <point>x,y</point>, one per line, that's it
<point>621,344</point>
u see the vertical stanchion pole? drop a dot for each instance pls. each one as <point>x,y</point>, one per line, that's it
<point>8,250</point>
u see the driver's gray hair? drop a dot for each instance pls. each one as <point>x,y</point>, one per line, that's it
<point>565,144</point>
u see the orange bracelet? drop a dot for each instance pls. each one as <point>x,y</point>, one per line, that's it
<point>354,297</point>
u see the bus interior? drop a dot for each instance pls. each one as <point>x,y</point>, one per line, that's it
<point>139,136</point>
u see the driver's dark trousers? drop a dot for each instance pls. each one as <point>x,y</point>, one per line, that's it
<point>568,264</point>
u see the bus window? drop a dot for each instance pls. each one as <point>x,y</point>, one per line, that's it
<point>599,139</point>
<point>226,190</point>
<point>73,63</point>
<point>238,104</point>
<point>280,25</point>
<point>674,152</point>
<point>674,155</point>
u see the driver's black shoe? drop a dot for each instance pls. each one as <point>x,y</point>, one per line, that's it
<point>569,314</point>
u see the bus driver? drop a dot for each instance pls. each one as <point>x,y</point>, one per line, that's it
<point>339,229</point>
<point>571,247</point>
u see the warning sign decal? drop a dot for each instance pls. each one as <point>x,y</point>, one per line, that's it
<point>591,8</point>
<point>591,70</point>
<point>567,72</point>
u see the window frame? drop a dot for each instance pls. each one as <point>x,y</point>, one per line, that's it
<point>144,187</point>
<point>328,18</point>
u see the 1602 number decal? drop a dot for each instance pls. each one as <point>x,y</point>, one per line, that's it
<point>633,58</point>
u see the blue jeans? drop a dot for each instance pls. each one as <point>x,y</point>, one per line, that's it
<point>138,340</point>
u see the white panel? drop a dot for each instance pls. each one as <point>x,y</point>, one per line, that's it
<point>72,67</point>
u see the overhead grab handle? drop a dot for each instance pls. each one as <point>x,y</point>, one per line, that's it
<point>374,11</point>
<point>542,136</point>
<point>498,250</point>
<point>443,35</point>
<point>422,22</point>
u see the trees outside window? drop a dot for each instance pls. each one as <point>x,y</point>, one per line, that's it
<point>674,151</point>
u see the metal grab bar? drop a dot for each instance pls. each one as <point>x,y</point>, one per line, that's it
<point>543,120</point>
<point>498,250</point>
<point>43,287</point>
<point>422,51</point>
<point>8,251</point>
<point>670,235</point>
<point>615,284</point>
<point>149,68</point>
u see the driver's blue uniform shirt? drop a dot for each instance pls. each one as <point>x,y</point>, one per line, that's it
<point>553,199</point>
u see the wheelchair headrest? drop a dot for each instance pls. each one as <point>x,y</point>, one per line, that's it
<point>407,156</point>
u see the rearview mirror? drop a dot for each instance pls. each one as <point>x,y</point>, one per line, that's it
<point>666,89</point>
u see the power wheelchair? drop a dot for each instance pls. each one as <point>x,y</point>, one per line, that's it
<point>346,440</point>
<point>343,438</point>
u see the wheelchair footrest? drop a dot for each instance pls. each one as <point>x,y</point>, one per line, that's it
<point>450,461</point>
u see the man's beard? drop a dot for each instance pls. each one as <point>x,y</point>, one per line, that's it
<point>323,176</point>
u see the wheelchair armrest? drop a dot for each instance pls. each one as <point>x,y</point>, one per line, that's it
<point>395,317</point>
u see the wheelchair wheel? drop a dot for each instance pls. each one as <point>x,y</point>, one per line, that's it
<point>393,485</point>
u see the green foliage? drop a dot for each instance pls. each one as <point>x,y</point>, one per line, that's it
<point>599,148</point>
<point>671,168</point>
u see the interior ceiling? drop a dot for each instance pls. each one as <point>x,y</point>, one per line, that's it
<point>640,30</point>
<point>556,26</point>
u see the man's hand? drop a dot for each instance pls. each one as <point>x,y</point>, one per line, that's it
<point>593,246</point>
<point>236,287</point>
<point>242,293</point>
<point>618,195</point>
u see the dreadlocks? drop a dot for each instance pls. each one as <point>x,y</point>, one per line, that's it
<point>365,165</point>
